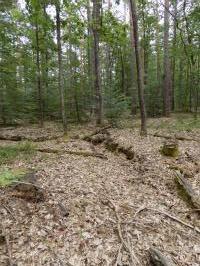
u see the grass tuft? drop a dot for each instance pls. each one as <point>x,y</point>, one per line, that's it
<point>8,176</point>
<point>11,152</point>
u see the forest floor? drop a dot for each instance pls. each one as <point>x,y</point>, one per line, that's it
<point>103,211</point>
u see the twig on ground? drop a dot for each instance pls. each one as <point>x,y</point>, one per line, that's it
<point>196,229</point>
<point>9,211</point>
<point>78,153</point>
<point>127,247</point>
<point>118,259</point>
<point>7,242</point>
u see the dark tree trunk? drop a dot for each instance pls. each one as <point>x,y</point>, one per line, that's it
<point>96,68</point>
<point>140,79</point>
<point>39,83</point>
<point>174,57</point>
<point>60,69</point>
<point>167,75</point>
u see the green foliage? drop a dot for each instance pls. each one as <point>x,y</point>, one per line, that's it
<point>8,176</point>
<point>11,152</point>
<point>116,106</point>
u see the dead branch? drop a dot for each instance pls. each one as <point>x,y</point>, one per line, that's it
<point>7,242</point>
<point>9,211</point>
<point>23,138</point>
<point>79,153</point>
<point>196,229</point>
<point>178,137</point>
<point>159,258</point>
<point>118,259</point>
<point>98,131</point>
<point>127,247</point>
<point>189,191</point>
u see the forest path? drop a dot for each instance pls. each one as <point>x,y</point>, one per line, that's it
<point>77,225</point>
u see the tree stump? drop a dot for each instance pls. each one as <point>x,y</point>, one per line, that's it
<point>170,148</point>
<point>27,188</point>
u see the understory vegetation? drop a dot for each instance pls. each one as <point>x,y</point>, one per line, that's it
<point>8,153</point>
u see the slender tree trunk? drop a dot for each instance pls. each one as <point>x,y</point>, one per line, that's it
<point>158,64</point>
<point>174,57</point>
<point>90,57</point>
<point>95,29</point>
<point>133,71</point>
<point>60,69</point>
<point>140,79</point>
<point>167,75</point>
<point>39,83</point>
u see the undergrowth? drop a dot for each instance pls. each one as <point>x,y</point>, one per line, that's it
<point>7,176</point>
<point>11,152</point>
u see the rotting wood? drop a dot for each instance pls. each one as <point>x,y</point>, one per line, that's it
<point>78,153</point>
<point>188,190</point>
<point>99,136</point>
<point>23,138</point>
<point>159,259</point>
<point>178,137</point>
<point>170,148</point>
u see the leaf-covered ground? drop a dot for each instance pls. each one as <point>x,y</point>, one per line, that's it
<point>87,198</point>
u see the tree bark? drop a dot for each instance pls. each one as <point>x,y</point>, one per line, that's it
<point>96,66</point>
<point>167,75</point>
<point>39,83</point>
<point>174,57</point>
<point>140,79</point>
<point>60,69</point>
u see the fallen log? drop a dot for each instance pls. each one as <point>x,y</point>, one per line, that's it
<point>11,138</point>
<point>159,259</point>
<point>189,192</point>
<point>22,138</point>
<point>178,137</point>
<point>79,153</point>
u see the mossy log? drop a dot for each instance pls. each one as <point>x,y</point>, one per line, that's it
<point>178,137</point>
<point>98,137</point>
<point>159,259</point>
<point>79,153</point>
<point>170,148</point>
<point>113,146</point>
<point>189,192</point>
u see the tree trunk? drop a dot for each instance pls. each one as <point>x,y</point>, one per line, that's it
<point>140,79</point>
<point>39,83</point>
<point>60,69</point>
<point>174,57</point>
<point>90,57</point>
<point>96,68</point>
<point>167,76</point>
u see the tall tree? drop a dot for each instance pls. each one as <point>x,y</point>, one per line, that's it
<point>166,65</point>
<point>140,79</point>
<point>96,24</point>
<point>60,67</point>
